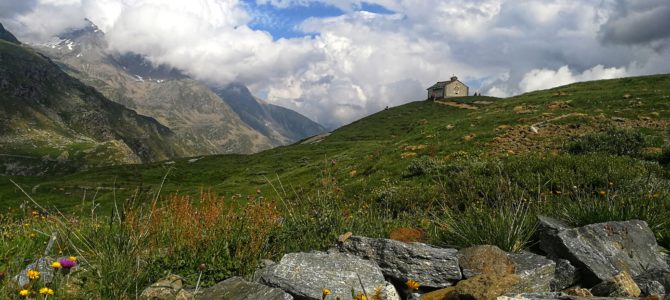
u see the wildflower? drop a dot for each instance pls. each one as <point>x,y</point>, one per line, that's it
<point>67,263</point>
<point>31,235</point>
<point>46,291</point>
<point>33,275</point>
<point>324,293</point>
<point>24,293</point>
<point>72,258</point>
<point>361,296</point>
<point>56,265</point>
<point>35,214</point>
<point>412,284</point>
<point>602,193</point>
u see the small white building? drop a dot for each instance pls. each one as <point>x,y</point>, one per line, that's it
<point>448,89</point>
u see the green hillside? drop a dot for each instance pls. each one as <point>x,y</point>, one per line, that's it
<point>463,172</point>
<point>379,149</point>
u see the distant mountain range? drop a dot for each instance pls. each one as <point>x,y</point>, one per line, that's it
<point>53,123</point>
<point>225,122</point>
<point>198,120</point>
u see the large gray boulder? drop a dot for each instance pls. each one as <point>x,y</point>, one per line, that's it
<point>431,267</point>
<point>305,275</point>
<point>236,288</point>
<point>601,251</point>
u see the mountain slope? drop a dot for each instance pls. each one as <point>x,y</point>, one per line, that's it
<point>374,157</point>
<point>191,109</point>
<point>51,122</point>
<point>281,125</point>
<point>7,36</point>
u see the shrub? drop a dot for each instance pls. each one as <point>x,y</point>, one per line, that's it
<point>650,203</point>
<point>612,141</point>
<point>510,227</point>
<point>664,158</point>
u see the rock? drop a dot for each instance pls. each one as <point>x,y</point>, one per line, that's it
<point>535,272</point>
<point>565,276</point>
<point>486,286</point>
<point>650,288</point>
<point>236,288</point>
<point>42,265</point>
<point>168,288</point>
<point>532,296</point>
<point>440,294</point>
<point>431,267</point>
<point>579,292</point>
<point>547,230</point>
<point>484,259</point>
<point>343,237</point>
<point>602,250</point>
<point>653,282</point>
<point>305,275</point>
<point>620,285</point>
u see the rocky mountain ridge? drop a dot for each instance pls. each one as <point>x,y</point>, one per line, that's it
<point>53,123</point>
<point>205,121</point>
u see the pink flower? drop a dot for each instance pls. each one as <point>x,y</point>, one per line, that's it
<point>67,263</point>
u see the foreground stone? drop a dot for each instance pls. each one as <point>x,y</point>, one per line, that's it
<point>653,282</point>
<point>565,275</point>
<point>485,286</point>
<point>484,259</point>
<point>305,275</point>
<point>621,285</point>
<point>431,267</point>
<point>42,265</point>
<point>536,273</point>
<point>440,294</point>
<point>236,288</point>
<point>168,288</point>
<point>603,250</point>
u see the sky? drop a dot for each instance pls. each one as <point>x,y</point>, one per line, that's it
<point>336,61</point>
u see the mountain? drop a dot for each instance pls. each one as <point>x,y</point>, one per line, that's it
<point>385,157</point>
<point>188,107</point>
<point>280,124</point>
<point>53,123</point>
<point>7,36</point>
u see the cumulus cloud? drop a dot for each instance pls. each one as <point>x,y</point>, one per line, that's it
<point>351,65</point>
<point>539,79</point>
<point>637,22</point>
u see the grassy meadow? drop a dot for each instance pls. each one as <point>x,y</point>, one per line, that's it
<point>474,172</point>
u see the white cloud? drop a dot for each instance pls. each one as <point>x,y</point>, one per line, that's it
<point>360,62</point>
<point>539,79</point>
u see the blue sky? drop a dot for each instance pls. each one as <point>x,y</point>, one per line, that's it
<point>284,22</point>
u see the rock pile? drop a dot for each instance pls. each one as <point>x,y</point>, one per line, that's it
<point>607,260</point>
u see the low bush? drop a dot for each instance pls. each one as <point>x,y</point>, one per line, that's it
<point>612,141</point>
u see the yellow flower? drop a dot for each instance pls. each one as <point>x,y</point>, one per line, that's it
<point>56,265</point>
<point>24,293</point>
<point>361,297</point>
<point>46,291</point>
<point>602,193</point>
<point>324,293</point>
<point>72,258</point>
<point>412,284</point>
<point>33,275</point>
